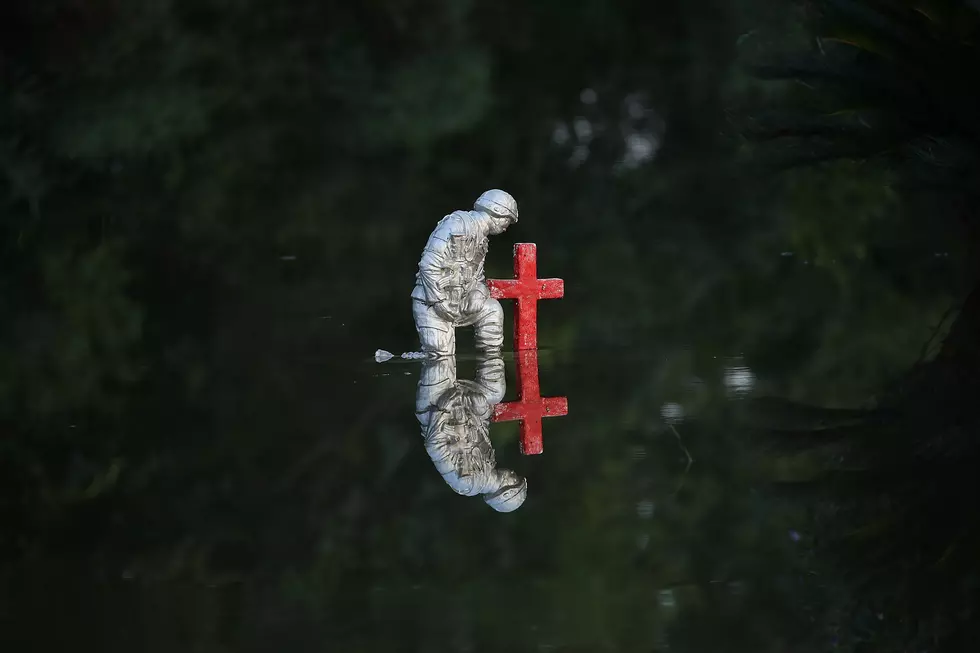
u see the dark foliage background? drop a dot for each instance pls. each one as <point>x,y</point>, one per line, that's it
<point>210,214</point>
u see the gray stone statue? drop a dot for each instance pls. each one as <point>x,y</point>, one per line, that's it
<point>450,288</point>
<point>455,418</point>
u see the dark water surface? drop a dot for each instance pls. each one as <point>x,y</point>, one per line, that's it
<point>211,214</point>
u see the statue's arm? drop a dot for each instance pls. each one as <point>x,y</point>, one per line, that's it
<point>432,265</point>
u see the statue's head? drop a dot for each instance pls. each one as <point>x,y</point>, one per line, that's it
<point>500,206</point>
<point>511,491</point>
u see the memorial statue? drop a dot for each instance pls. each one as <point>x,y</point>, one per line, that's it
<point>450,289</point>
<point>455,418</point>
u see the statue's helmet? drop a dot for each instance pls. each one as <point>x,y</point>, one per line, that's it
<point>510,495</point>
<point>498,203</point>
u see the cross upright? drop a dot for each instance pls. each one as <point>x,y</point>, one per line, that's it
<point>530,406</point>
<point>527,289</point>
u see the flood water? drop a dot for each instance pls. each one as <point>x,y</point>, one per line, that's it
<point>212,218</point>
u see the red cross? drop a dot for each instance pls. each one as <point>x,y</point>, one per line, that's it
<point>530,406</point>
<point>527,289</point>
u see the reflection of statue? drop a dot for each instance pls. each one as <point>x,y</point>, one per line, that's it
<point>455,417</point>
<point>450,289</point>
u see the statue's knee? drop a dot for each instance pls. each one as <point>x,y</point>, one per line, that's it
<point>493,311</point>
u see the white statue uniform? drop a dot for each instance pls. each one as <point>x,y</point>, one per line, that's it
<point>451,290</point>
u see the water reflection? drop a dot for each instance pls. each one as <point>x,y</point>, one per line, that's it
<point>455,417</point>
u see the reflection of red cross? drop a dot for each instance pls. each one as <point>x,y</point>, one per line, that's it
<point>530,406</point>
<point>527,289</point>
